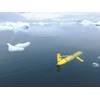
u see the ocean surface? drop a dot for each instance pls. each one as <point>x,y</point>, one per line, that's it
<point>36,65</point>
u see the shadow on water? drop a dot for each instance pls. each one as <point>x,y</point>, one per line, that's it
<point>59,71</point>
<point>59,68</point>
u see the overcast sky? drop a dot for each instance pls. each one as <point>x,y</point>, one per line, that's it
<point>50,5</point>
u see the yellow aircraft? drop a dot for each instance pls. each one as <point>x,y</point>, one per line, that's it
<point>61,60</point>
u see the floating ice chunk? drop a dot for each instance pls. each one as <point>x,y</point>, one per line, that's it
<point>22,45</point>
<point>12,48</point>
<point>86,22</point>
<point>6,26</point>
<point>97,23</point>
<point>17,47</point>
<point>21,26</point>
<point>15,26</point>
<point>95,64</point>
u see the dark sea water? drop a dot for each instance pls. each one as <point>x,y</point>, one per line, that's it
<point>36,65</point>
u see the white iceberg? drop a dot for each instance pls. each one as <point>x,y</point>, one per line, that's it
<point>23,45</point>
<point>86,22</point>
<point>17,47</point>
<point>97,23</point>
<point>15,26</point>
<point>95,64</point>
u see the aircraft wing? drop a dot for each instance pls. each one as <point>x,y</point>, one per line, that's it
<point>65,55</point>
<point>79,59</point>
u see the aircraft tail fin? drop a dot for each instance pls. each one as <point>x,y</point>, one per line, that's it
<point>59,57</point>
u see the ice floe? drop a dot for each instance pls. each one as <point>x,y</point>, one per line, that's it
<point>15,26</point>
<point>17,47</point>
<point>86,22</point>
<point>95,64</point>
